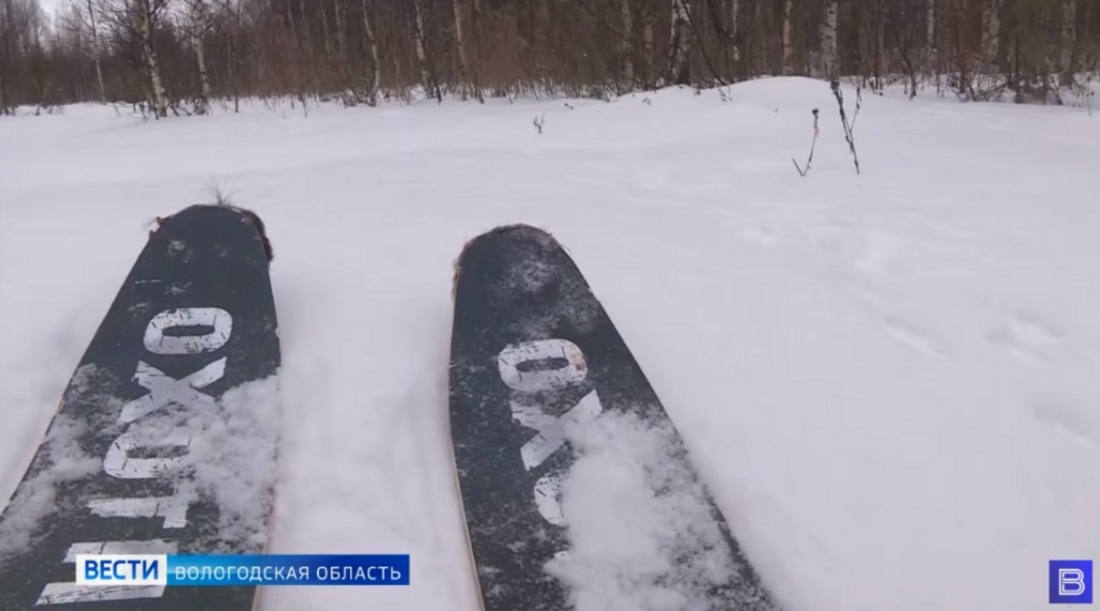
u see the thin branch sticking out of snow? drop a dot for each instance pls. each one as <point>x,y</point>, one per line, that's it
<point>813,143</point>
<point>844,119</point>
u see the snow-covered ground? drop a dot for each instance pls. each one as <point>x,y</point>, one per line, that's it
<point>890,381</point>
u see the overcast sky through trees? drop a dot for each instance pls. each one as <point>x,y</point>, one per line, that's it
<point>50,5</point>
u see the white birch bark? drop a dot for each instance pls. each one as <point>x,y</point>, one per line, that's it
<point>991,33</point>
<point>426,80</point>
<point>465,84</point>
<point>158,96</point>
<point>94,27</point>
<point>198,27</point>
<point>341,30</point>
<point>735,24</point>
<point>829,41</point>
<point>1069,40</point>
<point>648,41</point>
<point>930,25</point>
<point>374,81</point>
<point>679,42</point>
<point>326,32</point>
<point>625,48</point>
<point>788,39</point>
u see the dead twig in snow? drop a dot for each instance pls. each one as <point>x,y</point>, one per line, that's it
<point>844,120</point>
<point>813,143</point>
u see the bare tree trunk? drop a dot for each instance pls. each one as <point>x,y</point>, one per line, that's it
<point>431,88</point>
<point>231,52</point>
<point>5,38</point>
<point>307,34</point>
<point>296,43</point>
<point>467,83</point>
<point>374,80</point>
<point>625,48</point>
<point>474,37</point>
<point>647,48</point>
<point>326,30</point>
<point>341,47</point>
<point>1069,41</point>
<point>991,34</point>
<point>762,64</point>
<point>679,43</point>
<point>880,42</point>
<point>341,31</point>
<point>307,57</point>
<point>94,26</point>
<point>198,28</point>
<point>290,21</point>
<point>829,41</point>
<point>788,39</point>
<point>930,25</point>
<point>735,23</point>
<point>4,110</point>
<point>159,97</point>
<point>930,38</point>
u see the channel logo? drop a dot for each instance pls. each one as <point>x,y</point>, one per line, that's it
<point>122,570</point>
<point>113,570</point>
<point>1070,582</point>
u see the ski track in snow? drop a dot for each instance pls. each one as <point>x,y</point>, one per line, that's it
<point>888,381</point>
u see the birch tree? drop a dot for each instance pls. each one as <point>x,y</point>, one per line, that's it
<point>341,31</point>
<point>788,38</point>
<point>467,80</point>
<point>649,42</point>
<point>146,12</point>
<point>373,78</point>
<point>735,22</point>
<point>199,25</point>
<point>991,33</point>
<point>427,78</point>
<point>626,49</point>
<point>1067,62</point>
<point>233,18</point>
<point>326,30</point>
<point>680,43</point>
<point>87,15</point>
<point>829,41</point>
<point>7,33</point>
<point>932,64</point>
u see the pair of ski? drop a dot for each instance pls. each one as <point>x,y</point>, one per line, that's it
<point>175,400</point>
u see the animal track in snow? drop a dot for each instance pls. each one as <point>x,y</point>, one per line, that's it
<point>879,254</point>
<point>911,337</point>
<point>1024,336</point>
<point>905,333</point>
<point>758,235</point>
<point>1072,420</point>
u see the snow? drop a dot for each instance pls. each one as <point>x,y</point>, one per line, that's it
<point>642,536</point>
<point>230,459</point>
<point>65,461</point>
<point>887,381</point>
<point>233,454</point>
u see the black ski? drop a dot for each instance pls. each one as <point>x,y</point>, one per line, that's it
<point>535,359</point>
<point>156,446</point>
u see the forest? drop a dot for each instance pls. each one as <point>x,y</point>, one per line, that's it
<point>183,57</point>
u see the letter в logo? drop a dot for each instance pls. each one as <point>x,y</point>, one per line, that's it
<point>1070,582</point>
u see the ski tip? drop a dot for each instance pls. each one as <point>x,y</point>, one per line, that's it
<point>246,215</point>
<point>514,234</point>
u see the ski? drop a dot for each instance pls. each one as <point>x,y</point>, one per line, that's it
<point>164,440</point>
<point>576,489</point>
